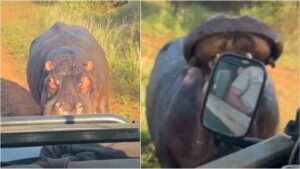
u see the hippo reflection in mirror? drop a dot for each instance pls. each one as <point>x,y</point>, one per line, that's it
<point>179,79</point>
<point>67,71</point>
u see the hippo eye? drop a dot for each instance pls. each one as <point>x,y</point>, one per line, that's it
<point>52,84</point>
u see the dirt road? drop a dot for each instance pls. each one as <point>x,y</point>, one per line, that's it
<point>16,99</point>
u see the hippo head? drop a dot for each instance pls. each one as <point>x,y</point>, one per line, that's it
<point>68,88</point>
<point>244,35</point>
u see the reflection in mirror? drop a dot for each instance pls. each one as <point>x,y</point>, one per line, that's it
<point>232,96</point>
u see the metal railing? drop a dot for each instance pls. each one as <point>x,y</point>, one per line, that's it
<point>51,130</point>
<point>67,119</point>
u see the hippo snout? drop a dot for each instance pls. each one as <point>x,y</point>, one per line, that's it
<point>66,108</point>
<point>72,109</point>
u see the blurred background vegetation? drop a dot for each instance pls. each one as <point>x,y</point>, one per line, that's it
<point>164,21</point>
<point>115,25</point>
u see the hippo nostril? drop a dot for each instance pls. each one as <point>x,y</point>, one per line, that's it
<point>79,105</point>
<point>58,104</point>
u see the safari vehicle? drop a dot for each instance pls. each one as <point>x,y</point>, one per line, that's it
<point>230,126</point>
<point>22,139</point>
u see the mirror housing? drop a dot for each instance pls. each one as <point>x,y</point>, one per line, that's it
<point>234,89</point>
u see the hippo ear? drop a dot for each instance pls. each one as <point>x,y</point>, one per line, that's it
<point>48,66</point>
<point>88,66</point>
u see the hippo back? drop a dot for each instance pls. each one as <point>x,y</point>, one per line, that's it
<point>163,84</point>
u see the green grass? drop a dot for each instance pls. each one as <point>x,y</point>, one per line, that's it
<point>160,18</point>
<point>18,35</point>
<point>116,30</point>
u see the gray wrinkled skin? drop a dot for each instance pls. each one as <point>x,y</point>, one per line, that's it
<point>173,106</point>
<point>69,48</point>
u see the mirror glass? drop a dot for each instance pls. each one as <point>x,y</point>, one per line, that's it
<point>233,93</point>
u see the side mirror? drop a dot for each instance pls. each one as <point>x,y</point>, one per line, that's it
<point>234,90</point>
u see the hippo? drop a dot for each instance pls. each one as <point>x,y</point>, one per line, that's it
<point>178,83</point>
<point>67,72</point>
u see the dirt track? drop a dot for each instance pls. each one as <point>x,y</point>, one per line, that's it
<point>16,99</point>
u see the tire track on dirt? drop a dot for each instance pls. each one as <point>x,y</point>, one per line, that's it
<point>16,99</point>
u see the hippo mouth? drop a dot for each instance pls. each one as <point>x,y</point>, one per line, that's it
<point>214,60</point>
<point>212,63</point>
<point>239,35</point>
